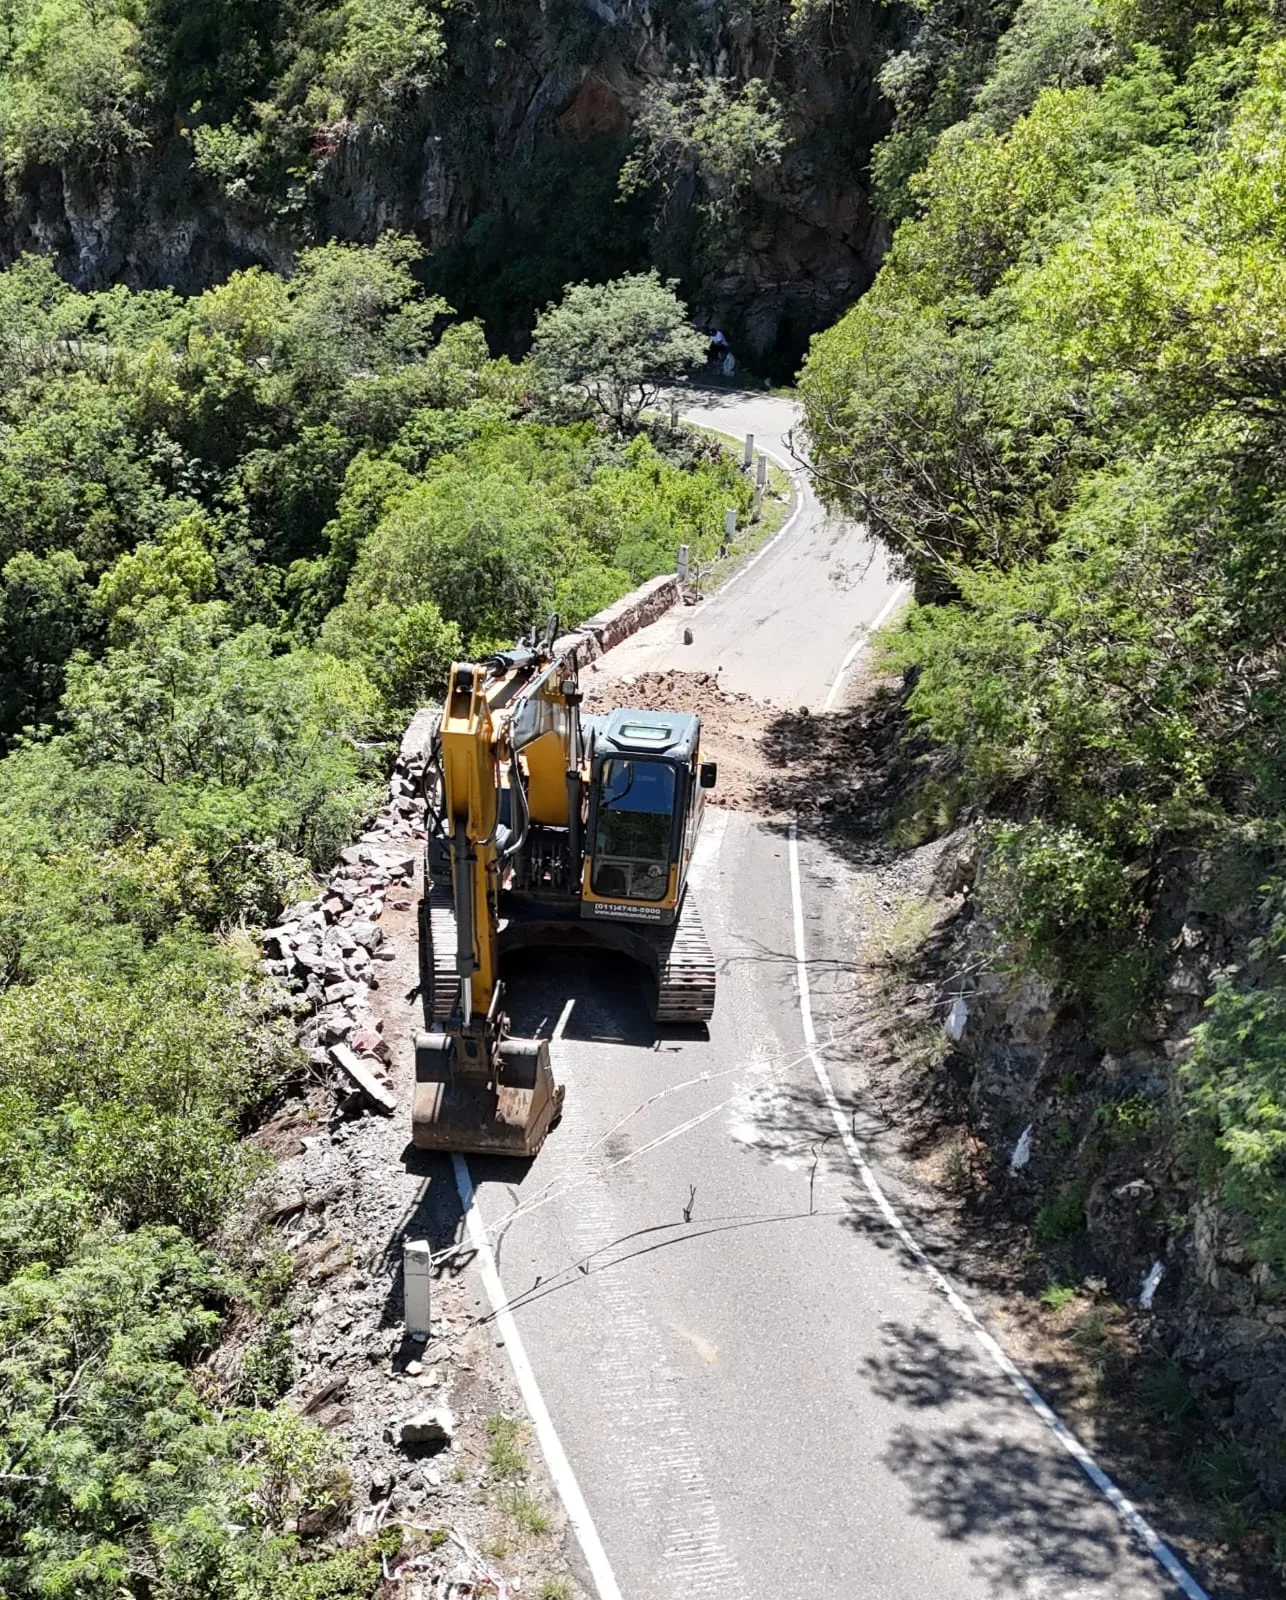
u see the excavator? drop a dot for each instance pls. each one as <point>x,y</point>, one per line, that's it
<point>546,826</point>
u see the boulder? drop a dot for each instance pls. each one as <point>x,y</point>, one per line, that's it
<point>428,1428</point>
<point>333,1025</point>
<point>310,958</point>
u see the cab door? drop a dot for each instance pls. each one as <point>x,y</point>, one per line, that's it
<point>694,800</point>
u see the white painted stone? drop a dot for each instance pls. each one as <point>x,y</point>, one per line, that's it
<point>417,1277</point>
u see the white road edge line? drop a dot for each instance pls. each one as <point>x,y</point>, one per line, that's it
<point>551,1446</point>
<point>1129,1515</point>
<point>801,500</point>
<point>895,599</point>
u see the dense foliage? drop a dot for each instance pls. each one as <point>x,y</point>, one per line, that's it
<point>1062,405</point>
<point>204,134</point>
<point>240,535</point>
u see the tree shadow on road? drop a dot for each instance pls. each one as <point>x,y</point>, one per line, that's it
<point>982,1470</point>
<point>839,774</point>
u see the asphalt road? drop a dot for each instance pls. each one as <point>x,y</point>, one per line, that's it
<point>782,627</point>
<point>761,1393</point>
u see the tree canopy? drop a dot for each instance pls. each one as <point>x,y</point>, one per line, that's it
<point>613,345</point>
<point>1061,406</point>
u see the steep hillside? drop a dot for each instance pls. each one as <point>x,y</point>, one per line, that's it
<point>165,144</point>
<point>1061,404</point>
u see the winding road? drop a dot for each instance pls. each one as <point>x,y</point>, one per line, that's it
<point>748,1383</point>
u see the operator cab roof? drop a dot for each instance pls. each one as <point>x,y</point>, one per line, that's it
<point>651,733</point>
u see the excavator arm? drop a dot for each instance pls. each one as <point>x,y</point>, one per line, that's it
<point>478,1090</point>
<point>471,819</point>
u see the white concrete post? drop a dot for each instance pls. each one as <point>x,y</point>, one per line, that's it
<point>761,470</point>
<point>681,565</point>
<point>729,526</point>
<point>417,1277</point>
<point>750,451</point>
<point>674,415</point>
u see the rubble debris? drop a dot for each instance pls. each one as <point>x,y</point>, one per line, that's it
<point>732,727</point>
<point>428,1427</point>
<point>344,1058</point>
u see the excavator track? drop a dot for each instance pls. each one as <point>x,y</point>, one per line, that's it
<point>439,984</point>
<point>686,975</point>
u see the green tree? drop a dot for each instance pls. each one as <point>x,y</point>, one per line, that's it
<point>44,618</point>
<point>697,127</point>
<point>71,85</point>
<point>613,345</point>
<point>405,650</point>
<point>177,569</point>
<point>391,50</point>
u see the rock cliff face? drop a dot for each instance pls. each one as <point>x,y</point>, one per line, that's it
<point>532,98</point>
<point>1096,1131</point>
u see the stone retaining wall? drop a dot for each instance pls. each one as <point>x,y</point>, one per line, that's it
<point>621,621</point>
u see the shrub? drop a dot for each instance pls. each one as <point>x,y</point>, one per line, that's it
<point>1063,1216</point>
<point>1235,1090</point>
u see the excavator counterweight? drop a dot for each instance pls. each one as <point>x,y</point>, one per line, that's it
<point>545,828</point>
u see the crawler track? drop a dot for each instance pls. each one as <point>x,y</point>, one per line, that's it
<point>439,985</point>
<point>686,970</point>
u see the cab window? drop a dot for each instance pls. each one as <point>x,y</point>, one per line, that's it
<point>635,823</point>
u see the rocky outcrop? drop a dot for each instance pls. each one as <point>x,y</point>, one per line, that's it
<point>804,244</point>
<point>1094,1132</point>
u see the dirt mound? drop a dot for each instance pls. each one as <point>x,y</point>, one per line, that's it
<point>732,725</point>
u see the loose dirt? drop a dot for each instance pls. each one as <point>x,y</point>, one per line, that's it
<point>733,726</point>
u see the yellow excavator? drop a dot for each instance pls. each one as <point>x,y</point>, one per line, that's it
<point>545,827</point>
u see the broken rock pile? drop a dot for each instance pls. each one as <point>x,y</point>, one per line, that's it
<point>328,952</point>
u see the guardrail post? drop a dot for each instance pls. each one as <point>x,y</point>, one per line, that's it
<point>729,527</point>
<point>750,451</point>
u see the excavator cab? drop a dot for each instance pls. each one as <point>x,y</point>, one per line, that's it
<point>647,794</point>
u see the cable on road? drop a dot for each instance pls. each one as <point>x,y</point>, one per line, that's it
<point>558,1188</point>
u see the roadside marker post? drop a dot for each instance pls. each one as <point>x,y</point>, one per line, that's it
<point>417,1279</point>
<point>748,457</point>
<point>729,528</point>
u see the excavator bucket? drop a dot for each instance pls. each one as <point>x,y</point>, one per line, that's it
<point>506,1110</point>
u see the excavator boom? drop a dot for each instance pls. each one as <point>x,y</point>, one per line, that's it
<point>477,1090</point>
